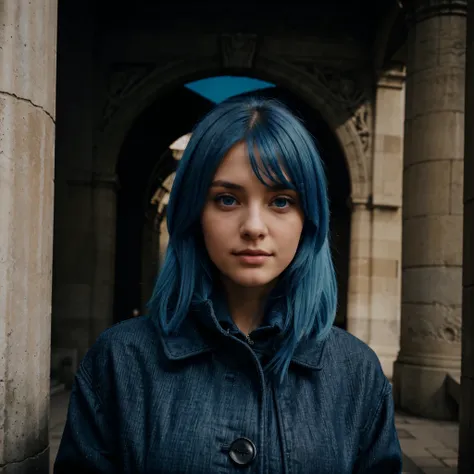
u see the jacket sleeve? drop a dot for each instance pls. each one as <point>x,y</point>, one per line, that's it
<point>87,441</point>
<point>379,451</point>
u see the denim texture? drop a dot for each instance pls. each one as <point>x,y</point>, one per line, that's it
<point>143,402</point>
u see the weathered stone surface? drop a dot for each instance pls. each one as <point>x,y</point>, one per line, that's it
<point>432,222</point>
<point>444,245</point>
<point>38,464</point>
<point>427,139</point>
<point>28,54</point>
<point>432,285</point>
<point>26,213</point>
<point>374,281</point>
<point>466,453</point>
<point>435,179</point>
<point>27,94</point>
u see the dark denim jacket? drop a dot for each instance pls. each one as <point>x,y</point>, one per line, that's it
<point>143,402</point>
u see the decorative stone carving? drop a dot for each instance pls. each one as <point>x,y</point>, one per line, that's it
<point>447,330</point>
<point>360,119</point>
<point>238,51</point>
<point>344,91</point>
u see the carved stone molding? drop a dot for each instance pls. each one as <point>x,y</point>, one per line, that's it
<point>344,91</point>
<point>419,10</point>
<point>361,120</point>
<point>341,87</point>
<point>238,50</point>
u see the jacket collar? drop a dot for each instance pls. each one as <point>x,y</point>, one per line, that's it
<point>200,331</point>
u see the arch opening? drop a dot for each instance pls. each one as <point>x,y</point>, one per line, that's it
<point>146,161</point>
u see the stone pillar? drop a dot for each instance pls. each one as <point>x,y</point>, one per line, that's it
<point>27,128</point>
<point>432,208</point>
<point>373,308</point>
<point>386,249</point>
<point>358,300</point>
<point>466,429</point>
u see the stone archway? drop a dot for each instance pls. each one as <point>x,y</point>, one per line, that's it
<point>342,101</point>
<point>155,129</point>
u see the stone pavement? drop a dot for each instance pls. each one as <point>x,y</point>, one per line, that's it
<point>429,447</point>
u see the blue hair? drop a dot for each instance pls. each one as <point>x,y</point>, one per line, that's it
<point>286,154</point>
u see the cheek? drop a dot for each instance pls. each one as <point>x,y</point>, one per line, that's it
<point>290,240</point>
<point>214,232</point>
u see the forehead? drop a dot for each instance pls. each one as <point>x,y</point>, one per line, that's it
<point>237,163</point>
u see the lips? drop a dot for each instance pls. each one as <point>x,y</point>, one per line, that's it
<point>253,253</point>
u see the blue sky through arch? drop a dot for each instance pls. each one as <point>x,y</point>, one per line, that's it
<point>219,88</point>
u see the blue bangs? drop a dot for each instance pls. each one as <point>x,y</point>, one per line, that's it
<point>281,151</point>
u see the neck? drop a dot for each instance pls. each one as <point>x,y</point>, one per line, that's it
<point>246,305</point>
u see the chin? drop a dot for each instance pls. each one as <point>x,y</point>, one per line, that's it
<point>251,281</point>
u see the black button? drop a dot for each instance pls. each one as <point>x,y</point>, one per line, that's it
<point>242,451</point>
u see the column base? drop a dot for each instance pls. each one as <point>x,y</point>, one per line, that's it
<point>421,391</point>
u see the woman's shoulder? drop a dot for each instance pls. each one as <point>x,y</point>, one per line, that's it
<point>345,344</point>
<point>131,341</point>
<point>134,330</point>
<point>359,361</point>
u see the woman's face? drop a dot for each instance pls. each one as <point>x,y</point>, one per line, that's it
<point>251,231</point>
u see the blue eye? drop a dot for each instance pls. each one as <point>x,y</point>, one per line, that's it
<point>226,200</point>
<point>281,202</point>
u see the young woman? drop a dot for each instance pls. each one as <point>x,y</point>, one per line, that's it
<point>238,367</point>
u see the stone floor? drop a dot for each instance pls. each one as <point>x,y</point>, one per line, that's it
<point>429,447</point>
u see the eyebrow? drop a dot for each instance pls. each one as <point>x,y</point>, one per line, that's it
<point>229,185</point>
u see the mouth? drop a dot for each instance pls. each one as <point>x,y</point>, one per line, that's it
<point>252,253</point>
<point>252,258</point>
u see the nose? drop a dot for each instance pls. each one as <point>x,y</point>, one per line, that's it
<point>253,225</point>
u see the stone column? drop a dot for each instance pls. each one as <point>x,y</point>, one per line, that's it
<point>27,128</point>
<point>432,208</point>
<point>387,170</point>
<point>358,300</point>
<point>466,430</point>
<point>373,308</point>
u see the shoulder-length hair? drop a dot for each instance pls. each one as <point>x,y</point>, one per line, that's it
<point>286,155</point>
